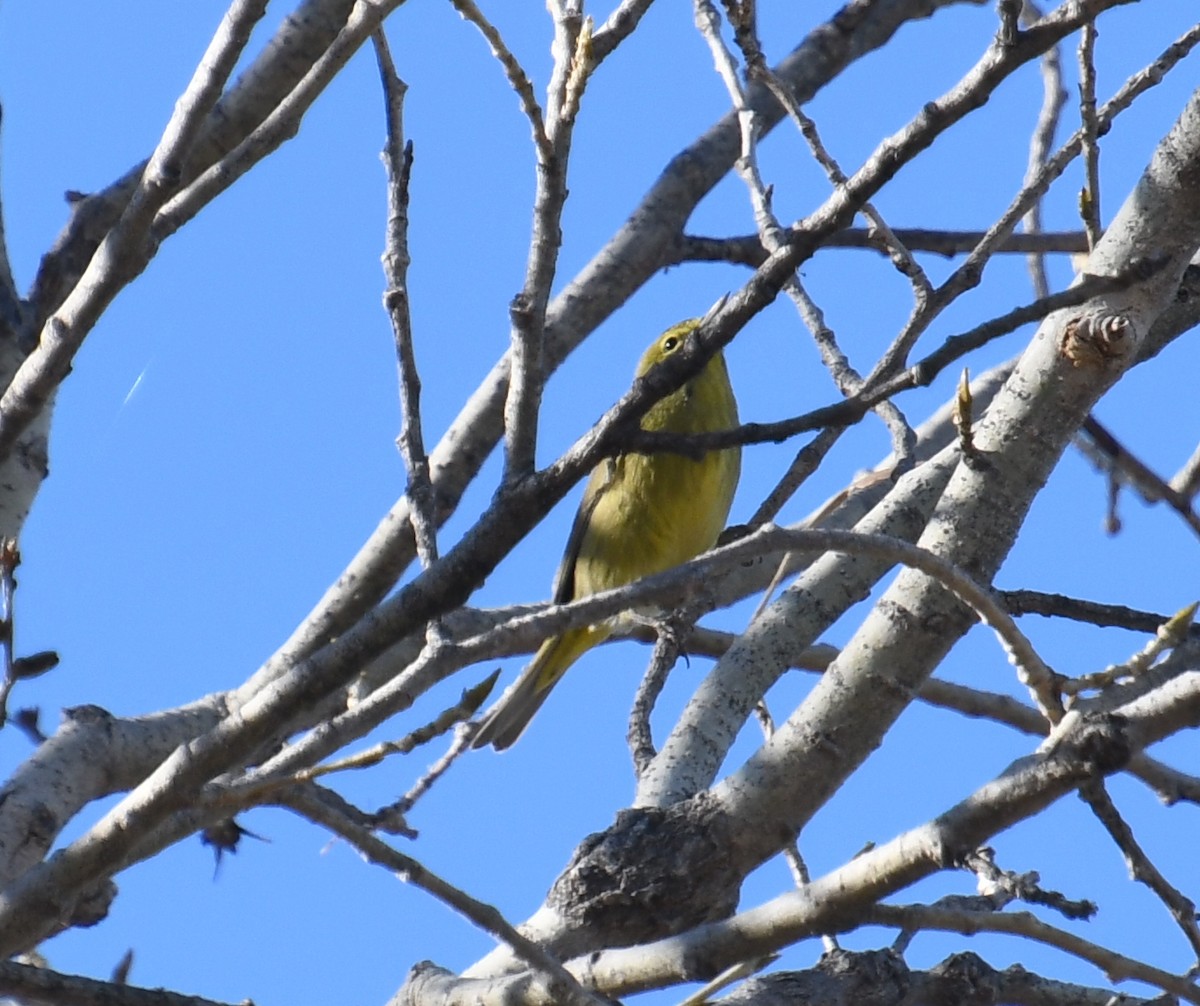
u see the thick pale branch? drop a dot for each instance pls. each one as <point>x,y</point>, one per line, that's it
<point>1027,427</point>
<point>1117,967</point>
<point>881,978</point>
<point>1086,746</point>
<point>281,125</point>
<point>126,249</point>
<point>37,986</point>
<point>92,755</point>
<point>299,41</point>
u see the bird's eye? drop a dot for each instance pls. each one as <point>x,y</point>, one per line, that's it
<point>669,343</point>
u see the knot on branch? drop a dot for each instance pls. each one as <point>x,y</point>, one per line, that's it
<point>653,873</point>
<point>426,983</point>
<point>865,978</point>
<point>1096,744</point>
<point>1094,340</point>
<point>93,904</point>
<point>1102,745</point>
<point>964,978</point>
<point>882,978</point>
<point>521,310</point>
<point>875,975</point>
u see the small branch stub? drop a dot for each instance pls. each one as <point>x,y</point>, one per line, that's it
<point>962,416</point>
<point>1092,341</point>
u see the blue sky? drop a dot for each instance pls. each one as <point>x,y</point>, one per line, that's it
<point>226,441</point>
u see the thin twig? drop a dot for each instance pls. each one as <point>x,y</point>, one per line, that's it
<point>398,160</point>
<point>1168,636</point>
<point>1182,909</point>
<point>879,234</point>
<point>849,382</point>
<point>1116,966</point>
<point>708,23</point>
<point>1004,886</point>
<point>577,34</point>
<point>1054,97</point>
<point>957,346</point>
<point>1036,602</point>
<point>527,312</point>
<point>1089,199</point>
<point>328,810</point>
<point>518,79</point>
<point>1098,442</point>
<point>748,250</point>
<point>332,735</point>
<point>791,851</point>
<point>806,461</point>
<point>917,375</point>
<point>459,746</point>
<point>466,707</point>
<point>638,735</point>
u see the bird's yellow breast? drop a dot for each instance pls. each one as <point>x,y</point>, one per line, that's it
<point>655,511</point>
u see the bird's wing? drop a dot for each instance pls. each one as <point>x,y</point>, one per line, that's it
<point>599,482</point>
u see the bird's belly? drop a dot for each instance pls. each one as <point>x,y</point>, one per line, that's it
<point>666,510</point>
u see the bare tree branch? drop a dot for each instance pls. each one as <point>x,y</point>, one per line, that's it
<point>1183,910</point>
<point>398,160</point>
<point>1116,966</point>
<point>328,810</point>
<point>1054,96</point>
<point>127,248</point>
<point>848,896</point>
<point>1089,199</point>
<point>37,986</point>
<point>1105,449</point>
<point>748,250</point>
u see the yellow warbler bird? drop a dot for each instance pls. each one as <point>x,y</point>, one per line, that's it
<point>641,514</point>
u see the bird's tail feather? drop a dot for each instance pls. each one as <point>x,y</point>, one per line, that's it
<point>507,719</point>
